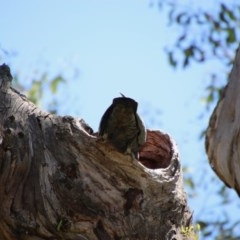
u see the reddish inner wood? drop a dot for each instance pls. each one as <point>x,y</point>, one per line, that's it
<point>157,151</point>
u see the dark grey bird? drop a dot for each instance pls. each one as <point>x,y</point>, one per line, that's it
<point>122,126</point>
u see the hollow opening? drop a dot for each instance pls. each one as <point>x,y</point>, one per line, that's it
<point>157,151</point>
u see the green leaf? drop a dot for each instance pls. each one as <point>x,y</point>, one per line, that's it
<point>223,18</point>
<point>189,182</point>
<point>170,15</point>
<point>214,42</point>
<point>172,60</point>
<point>35,93</point>
<point>231,15</point>
<point>217,25</point>
<point>188,52</point>
<point>183,18</point>
<point>228,12</point>
<point>207,16</point>
<point>55,82</point>
<point>210,98</point>
<point>178,18</point>
<point>203,224</point>
<point>182,37</point>
<point>199,54</point>
<point>231,38</point>
<point>186,62</point>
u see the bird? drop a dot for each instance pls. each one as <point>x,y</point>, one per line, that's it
<point>122,126</point>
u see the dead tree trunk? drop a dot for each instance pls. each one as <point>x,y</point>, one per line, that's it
<point>223,133</point>
<point>58,181</point>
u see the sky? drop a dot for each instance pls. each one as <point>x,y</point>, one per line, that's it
<point>104,48</point>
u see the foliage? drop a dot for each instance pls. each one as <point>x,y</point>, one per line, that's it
<point>35,93</point>
<point>205,32</point>
<point>209,32</point>
<point>191,232</point>
<point>43,83</point>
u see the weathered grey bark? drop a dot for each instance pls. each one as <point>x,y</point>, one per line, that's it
<point>223,133</point>
<point>57,181</point>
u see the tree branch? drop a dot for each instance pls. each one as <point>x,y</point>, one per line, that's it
<point>222,138</point>
<point>58,180</point>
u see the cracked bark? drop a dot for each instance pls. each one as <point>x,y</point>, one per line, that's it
<point>222,137</point>
<point>58,181</point>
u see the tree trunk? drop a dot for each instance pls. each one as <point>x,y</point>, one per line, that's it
<point>223,133</point>
<point>59,181</point>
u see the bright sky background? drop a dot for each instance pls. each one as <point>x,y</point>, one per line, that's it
<point>107,47</point>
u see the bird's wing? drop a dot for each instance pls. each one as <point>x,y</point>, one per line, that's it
<point>104,120</point>
<point>142,130</point>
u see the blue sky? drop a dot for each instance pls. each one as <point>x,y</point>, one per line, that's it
<point>107,47</point>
